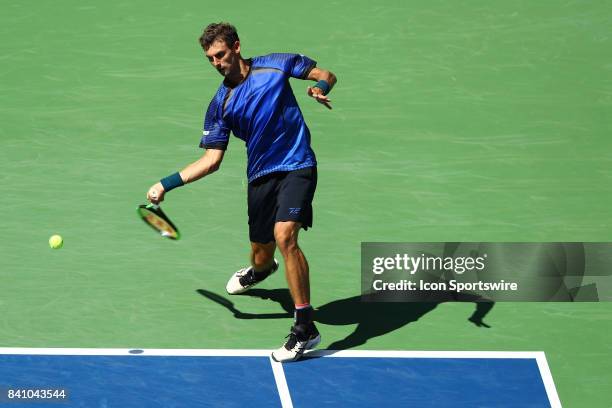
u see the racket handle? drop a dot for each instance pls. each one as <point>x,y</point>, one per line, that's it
<point>153,206</point>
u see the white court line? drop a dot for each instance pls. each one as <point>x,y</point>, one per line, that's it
<point>423,354</point>
<point>281,384</point>
<point>140,352</point>
<point>265,353</point>
<point>549,383</point>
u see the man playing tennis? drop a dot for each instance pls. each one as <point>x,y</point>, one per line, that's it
<point>255,102</point>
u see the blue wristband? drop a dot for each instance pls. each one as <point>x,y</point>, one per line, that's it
<point>323,85</point>
<point>172,181</point>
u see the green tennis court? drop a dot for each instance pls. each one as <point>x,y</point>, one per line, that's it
<point>480,121</point>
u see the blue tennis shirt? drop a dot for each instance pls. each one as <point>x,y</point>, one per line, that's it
<point>263,112</point>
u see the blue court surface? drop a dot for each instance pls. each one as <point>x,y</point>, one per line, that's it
<point>237,378</point>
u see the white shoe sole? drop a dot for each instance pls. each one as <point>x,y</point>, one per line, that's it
<point>234,287</point>
<point>288,358</point>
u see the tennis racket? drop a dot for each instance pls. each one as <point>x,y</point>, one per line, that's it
<point>154,217</point>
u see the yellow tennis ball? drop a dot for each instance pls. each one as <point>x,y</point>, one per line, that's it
<point>56,242</point>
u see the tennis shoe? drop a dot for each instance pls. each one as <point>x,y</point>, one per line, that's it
<point>245,279</point>
<point>302,337</point>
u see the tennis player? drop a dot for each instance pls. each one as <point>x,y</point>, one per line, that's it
<point>255,102</point>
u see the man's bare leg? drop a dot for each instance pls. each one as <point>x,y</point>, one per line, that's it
<point>296,266</point>
<point>304,334</point>
<point>262,255</point>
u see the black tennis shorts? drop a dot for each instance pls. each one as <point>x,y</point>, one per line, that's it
<point>280,196</point>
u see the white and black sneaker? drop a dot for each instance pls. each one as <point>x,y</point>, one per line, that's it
<point>246,278</point>
<point>302,337</point>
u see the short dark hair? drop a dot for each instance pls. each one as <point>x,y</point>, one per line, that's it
<point>219,31</point>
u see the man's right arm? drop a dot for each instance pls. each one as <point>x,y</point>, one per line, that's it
<point>207,164</point>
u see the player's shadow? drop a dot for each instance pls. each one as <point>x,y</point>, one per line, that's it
<point>372,318</point>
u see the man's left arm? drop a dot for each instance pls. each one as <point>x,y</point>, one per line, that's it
<point>325,82</point>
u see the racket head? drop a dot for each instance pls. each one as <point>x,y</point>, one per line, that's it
<point>155,218</point>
